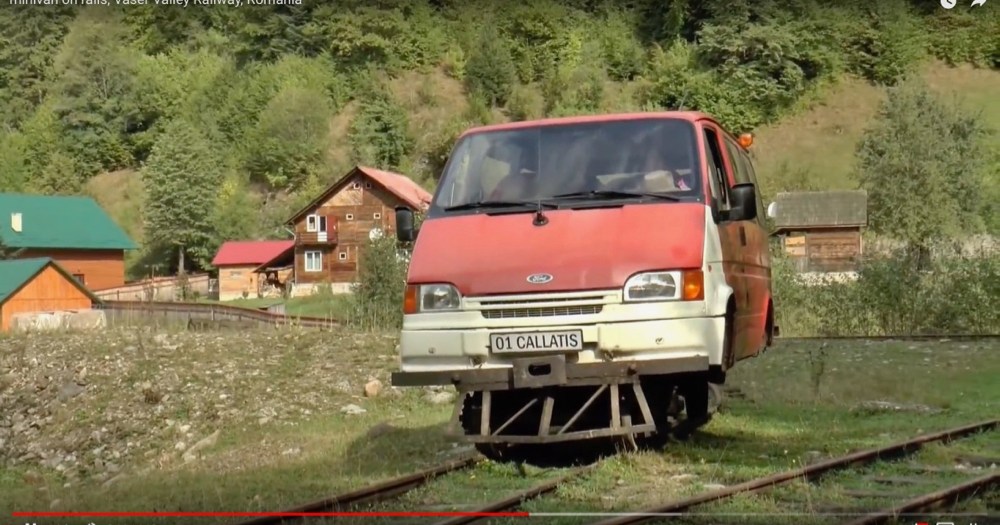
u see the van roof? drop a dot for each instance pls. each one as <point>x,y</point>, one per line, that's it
<point>611,117</point>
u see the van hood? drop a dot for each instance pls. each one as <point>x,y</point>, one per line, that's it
<point>583,249</point>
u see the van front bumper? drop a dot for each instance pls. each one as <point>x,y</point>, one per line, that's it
<point>621,350</point>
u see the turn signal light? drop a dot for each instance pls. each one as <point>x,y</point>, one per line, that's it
<point>410,299</point>
<point>745,140</point>
<point>694,285</point>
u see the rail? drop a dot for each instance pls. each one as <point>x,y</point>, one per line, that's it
<point>212,313</point>
<point>371,494</point>
<point>815,470</point>
<point>395,487</point>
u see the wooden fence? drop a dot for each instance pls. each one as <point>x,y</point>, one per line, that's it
<point>157,288</point>
<point>208,314</point>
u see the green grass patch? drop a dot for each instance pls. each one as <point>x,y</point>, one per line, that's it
<point>283,439</point>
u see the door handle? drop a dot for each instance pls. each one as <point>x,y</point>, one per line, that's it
<point>743,236</point>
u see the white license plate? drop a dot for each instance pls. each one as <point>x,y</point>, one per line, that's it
<point>537,341</point>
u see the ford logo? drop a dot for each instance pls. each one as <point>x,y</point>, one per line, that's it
<point>539,278</point>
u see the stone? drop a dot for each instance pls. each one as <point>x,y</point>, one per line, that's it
<point>440,398</point>
<point>353,410</point>
<point>373,388</point>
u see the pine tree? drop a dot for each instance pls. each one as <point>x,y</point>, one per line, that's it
<point>182,179</point>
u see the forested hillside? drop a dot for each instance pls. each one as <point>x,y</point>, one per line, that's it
<point>188,122</point>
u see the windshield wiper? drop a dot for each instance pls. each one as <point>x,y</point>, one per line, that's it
<point>500,204</point>
<point>613,194</point>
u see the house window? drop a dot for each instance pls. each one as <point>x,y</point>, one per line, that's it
<point>79,278</point>
<point>350,216</point>
<point>377,216</point>
<point>235,273</point>
<point>311,222</point>
<point>357,185</point>
<point>314,261</point>
<point>368,185</point>
<point>342,256</point>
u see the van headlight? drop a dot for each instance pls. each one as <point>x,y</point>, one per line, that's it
<point>677,285</point>
<point>431,298</point>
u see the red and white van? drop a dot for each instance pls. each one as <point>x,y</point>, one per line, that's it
<point>586,277</point>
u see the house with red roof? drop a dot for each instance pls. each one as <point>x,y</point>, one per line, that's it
<point>332,230</point>
<point>242,265</point>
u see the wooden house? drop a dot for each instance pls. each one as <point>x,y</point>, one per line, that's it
<point>331,231</point>
<point>39,285</point>
<point>238,263</point>
<point>821,230</point>
<point>74,231</point>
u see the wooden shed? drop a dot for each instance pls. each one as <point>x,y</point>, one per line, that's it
<point>821,230</point>
<point>238,262</point>
<point>39,285</point>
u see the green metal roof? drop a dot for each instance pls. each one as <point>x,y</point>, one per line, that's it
<point>13,274</point>
<point>17,272</point>
<point>59,222</point>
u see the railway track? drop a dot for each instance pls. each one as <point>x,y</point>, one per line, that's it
<point>395,487</point>
<point>943,497</point>
<point>811,472</point>
<point>370,494</point>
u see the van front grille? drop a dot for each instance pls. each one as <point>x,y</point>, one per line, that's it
<point>551,311</point>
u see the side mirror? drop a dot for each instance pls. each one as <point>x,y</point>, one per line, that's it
<point>743,198</point>
<point>404,224</point>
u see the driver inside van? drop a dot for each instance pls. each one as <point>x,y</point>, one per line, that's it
<point>664,172</point>
<point>521,183</point>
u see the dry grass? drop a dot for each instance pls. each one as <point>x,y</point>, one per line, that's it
<point>121,194</point>
<point>338,153</point>
<point>89,421</point>
<point>820,141</point>
<point>283,439</point>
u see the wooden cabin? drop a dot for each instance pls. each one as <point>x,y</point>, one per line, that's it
<point>39,285</point>
<point>238,263</point>
<point>331,231</point>
<point>74,231</point>
<point>821,230</point>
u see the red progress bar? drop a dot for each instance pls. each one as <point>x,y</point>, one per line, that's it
<point>268,514</point>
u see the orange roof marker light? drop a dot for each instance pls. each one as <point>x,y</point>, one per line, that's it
<point>746,140</point>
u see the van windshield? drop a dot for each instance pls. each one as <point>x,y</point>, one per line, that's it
<point>571,164</point>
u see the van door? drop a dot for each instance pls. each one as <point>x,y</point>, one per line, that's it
<point>754,253</point>
<point>720,180</point>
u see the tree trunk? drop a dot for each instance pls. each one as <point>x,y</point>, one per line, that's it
<point>180,260</point>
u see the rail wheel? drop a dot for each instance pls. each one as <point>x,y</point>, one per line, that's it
<point>696,392</point>
<point>715,398</point>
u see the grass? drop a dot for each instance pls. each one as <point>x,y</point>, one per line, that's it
<point>779,415</point>
<point>814,149</point>
<point>336,306</point>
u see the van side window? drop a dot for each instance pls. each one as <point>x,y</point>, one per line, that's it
<point>753,178</point>
<point>739,162</point>
<point>744,172</point>
<point>716,169</point>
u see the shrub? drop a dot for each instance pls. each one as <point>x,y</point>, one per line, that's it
<point>379,134</point>
<point>958,293</point>
<point>489,71</point>
<point>378,294</point>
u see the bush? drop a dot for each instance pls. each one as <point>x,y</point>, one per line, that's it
<point>377,303</point>
<point>379,134</point>
<point>489,71</point>
<point>958,294</point>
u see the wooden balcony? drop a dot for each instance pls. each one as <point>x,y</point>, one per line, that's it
<point>316,238</point>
